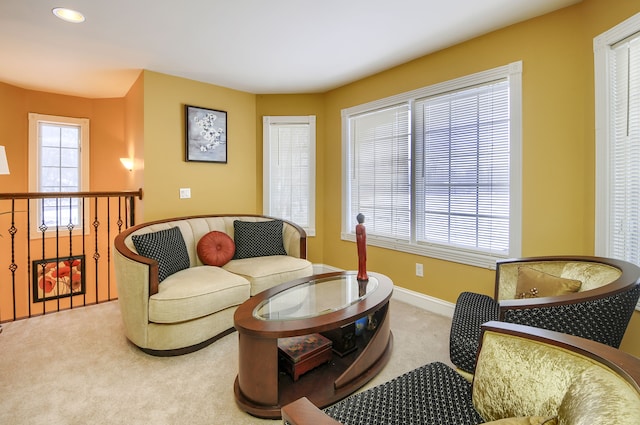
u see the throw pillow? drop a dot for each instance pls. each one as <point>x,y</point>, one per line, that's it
<point>534,283</point>
<point>216,248</point>
<point>258,239</point>
<point>526,420</point>
<point>167,247</point>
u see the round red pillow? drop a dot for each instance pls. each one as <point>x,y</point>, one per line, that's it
<point>216,248</point>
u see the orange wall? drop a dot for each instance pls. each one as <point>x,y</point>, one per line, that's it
<point>107,131</point>
<point>107,145</point>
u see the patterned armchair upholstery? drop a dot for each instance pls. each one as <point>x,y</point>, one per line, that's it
<point>525,375</point>
<point>600,310</point>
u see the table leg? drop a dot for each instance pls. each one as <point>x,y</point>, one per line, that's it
<point>258,369</point>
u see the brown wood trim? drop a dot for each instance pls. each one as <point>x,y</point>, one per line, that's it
<point>630,276</point>
<point>371,354</point>
<point>302,411</point>
<point>321,389</point>
<point>123,249</point>
<point>620,362</point>
<point>189,349</point>
<point>245,322</point>
<point>98,194</point>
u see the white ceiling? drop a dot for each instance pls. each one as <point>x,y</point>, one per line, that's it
<point>257,46</point>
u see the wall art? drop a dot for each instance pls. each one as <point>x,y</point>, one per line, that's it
<point>206,134</point>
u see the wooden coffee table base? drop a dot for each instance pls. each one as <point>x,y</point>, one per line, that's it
<point>262,388</point>
<point>317,385</point>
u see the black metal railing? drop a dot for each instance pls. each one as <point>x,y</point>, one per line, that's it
<point>55,249</point>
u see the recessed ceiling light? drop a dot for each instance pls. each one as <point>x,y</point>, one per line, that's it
<point>68,15</point>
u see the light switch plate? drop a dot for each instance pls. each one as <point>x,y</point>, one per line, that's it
<point>185,193</point>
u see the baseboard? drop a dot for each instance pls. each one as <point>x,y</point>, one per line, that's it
<point>425,302</point>
<point>416,299</point>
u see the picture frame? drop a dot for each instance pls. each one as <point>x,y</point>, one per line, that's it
<point>205,134</point>
<point>58,278</point>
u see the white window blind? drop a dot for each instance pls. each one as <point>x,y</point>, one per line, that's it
<point>625,150</point>
<point>380,178</point>
<point>462,168</point>
<point>436,171</point>
<point>617,83</point>
<point>289,170</point>
<point>623,231</point>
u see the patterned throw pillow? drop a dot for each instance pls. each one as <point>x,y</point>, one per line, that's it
<point>258,239</point>
<point>216,248</point>
<point>167,247</point>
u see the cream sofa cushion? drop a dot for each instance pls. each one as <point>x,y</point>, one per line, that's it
<point>196,292</point>
<point>266,272</point>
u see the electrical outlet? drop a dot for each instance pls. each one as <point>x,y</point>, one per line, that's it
<point>185,193</point>
<point>419,270</point>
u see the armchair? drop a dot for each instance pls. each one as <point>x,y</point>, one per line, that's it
<point>525,375</point>
<point>590,297</point>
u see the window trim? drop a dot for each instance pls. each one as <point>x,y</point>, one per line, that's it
<point>310,120</point>
<point>34,165</point>
<point>513,73</point>
<point>602,57</point>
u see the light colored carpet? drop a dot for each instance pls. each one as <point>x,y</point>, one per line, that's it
<point>76,367</point>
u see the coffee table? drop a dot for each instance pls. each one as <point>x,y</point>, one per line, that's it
<point>323,303</point>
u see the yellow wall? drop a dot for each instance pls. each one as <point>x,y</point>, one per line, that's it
<point>558,143</point>
<point>215,188</point>
<point>300,104</point>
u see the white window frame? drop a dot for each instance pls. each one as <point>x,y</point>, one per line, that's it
<point>513,73</point>
<point>603,52</point>
<point>34,171</point>
<point>268,165</point>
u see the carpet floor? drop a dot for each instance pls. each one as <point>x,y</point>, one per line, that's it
<point>76,367</point>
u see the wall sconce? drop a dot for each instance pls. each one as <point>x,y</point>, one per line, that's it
<point>4,165</point>
<point>127,163</point>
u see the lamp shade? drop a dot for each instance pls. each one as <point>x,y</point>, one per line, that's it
<point>4,165</point>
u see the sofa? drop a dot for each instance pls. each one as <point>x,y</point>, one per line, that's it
<point>180,280</point>
<point>587,296</point>
<point>524,376</point>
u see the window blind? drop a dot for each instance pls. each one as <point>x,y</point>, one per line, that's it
<point>289,170</point>
<point>624,207</point>
<point>462,168</point>
<point>381,170</point>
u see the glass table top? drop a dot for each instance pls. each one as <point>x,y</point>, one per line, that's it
<point>315,298</point>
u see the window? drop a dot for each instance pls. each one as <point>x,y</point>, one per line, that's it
<point>58,162</point>
<point>617,80</point>
<point>289,169</point>
<point>436,171</point>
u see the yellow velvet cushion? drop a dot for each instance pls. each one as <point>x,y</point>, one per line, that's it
<point>526,420</point>
<point>534,283</point>
<point>598,397</point>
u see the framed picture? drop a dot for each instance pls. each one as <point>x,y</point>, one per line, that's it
<point>206,134</point>
<point>58,277</point>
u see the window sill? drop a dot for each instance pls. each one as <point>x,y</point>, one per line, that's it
<point>456,255</point>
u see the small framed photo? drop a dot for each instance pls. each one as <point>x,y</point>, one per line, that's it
<point>58,277</point>
<point>206,134</point>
